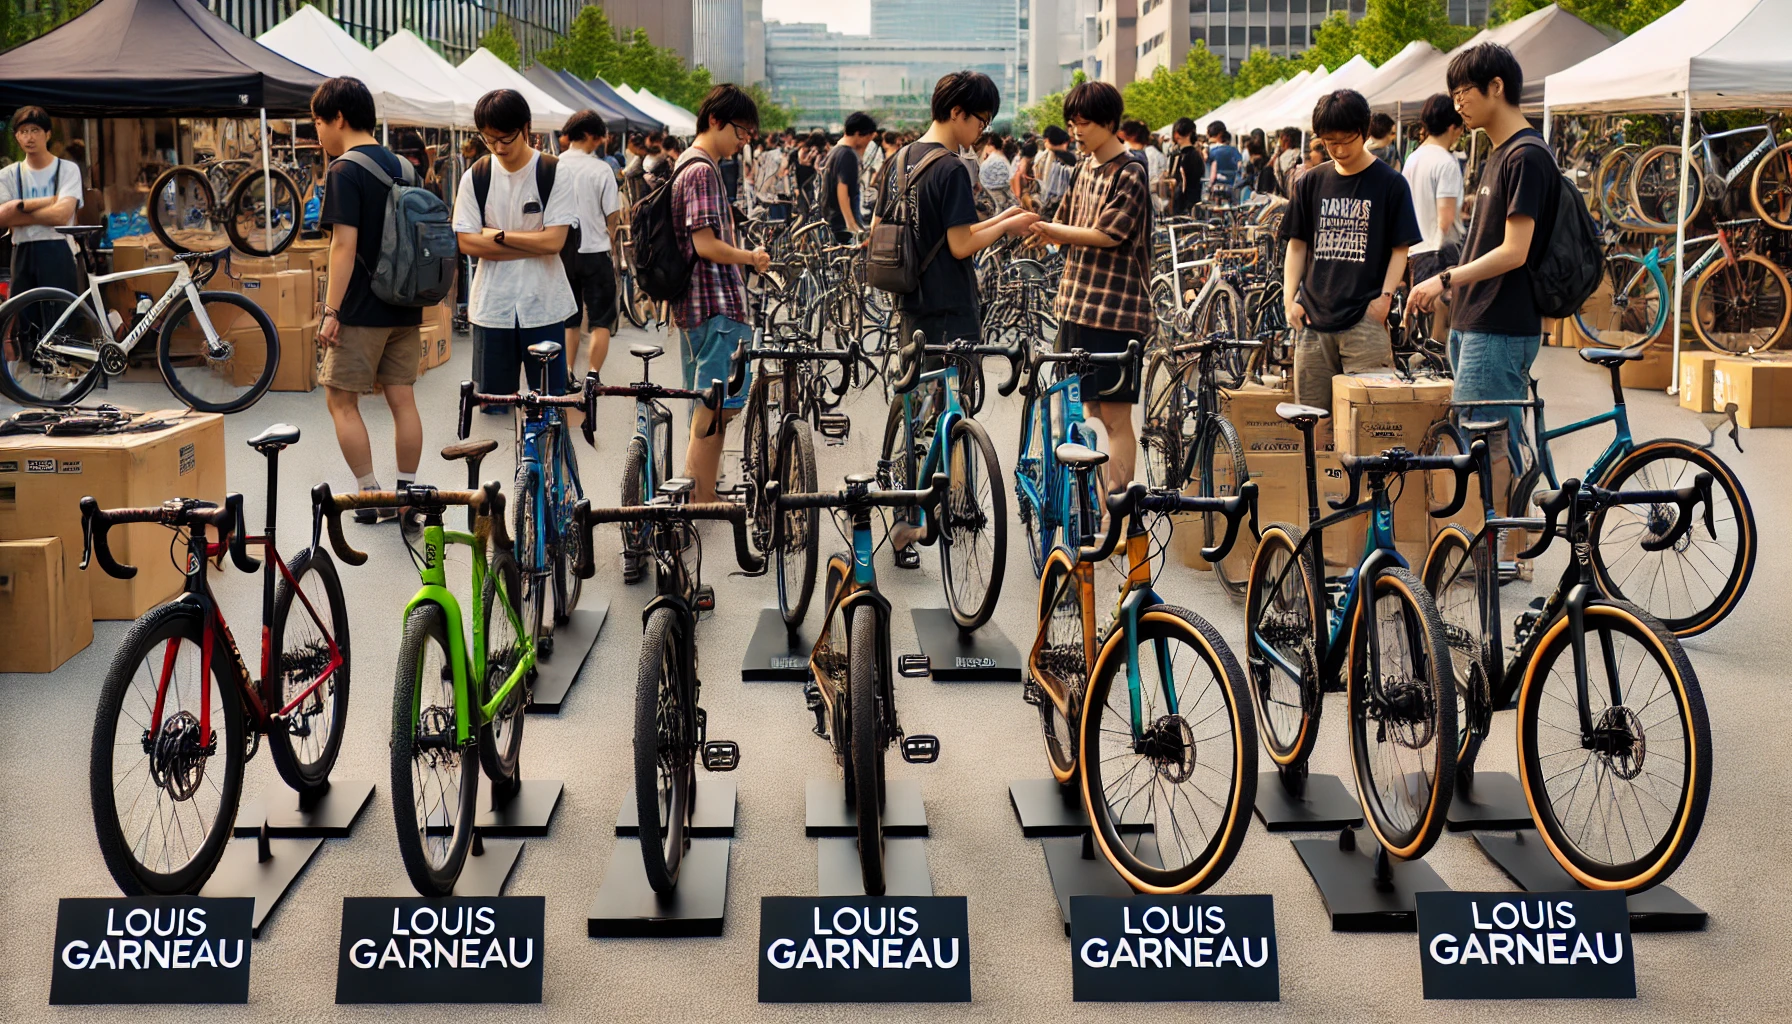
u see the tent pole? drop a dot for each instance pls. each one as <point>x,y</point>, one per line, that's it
<point>1546,122</point>
<point>1680,234</point>
<point>1399,130</point>
<point>267,182</point>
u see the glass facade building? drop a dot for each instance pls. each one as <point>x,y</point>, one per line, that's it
<point>453,26</point>
<point>828,75</point>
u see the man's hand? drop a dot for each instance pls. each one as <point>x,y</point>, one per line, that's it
<point>1297,313</point>
<point>1378,309</point>
<point>1021,223</point>
<point>329,333</point>
<point>1424,295</point>
<point>1045,230</point>
<point>762,261</point>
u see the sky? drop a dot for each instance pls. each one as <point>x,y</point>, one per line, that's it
<point>852,16</point>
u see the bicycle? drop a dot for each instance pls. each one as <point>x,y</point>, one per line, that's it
<point>671,729</point>
<point>1178,728</point>
<point>259,214</point>
<point>1653,186</point>
<point>1381,634</point>
<point>179,712</point>
<point>924,436</point>
<point>1740,302</point>
<point>1584,670</point>
<point>850,689</point>
<point>1046,496</point>
<point>216,350</point>
<point>1712,576</point>
<point>457,705</point>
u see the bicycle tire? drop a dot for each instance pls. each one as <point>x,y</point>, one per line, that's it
<point>960,525</point>
<point>563,540</point>
<point>900,457</point>
<point>634,492</point>
<point>1428,720</point>
<point>21,322</point>
<point>501,738</point>
<point>1454,574</point>
<point>1064,649</point>
<point>629,295</point>
<point>526,523</point>
<point>1282,604</point>
<point>756,453</point>
<point>1223,472</point>
<point>665,746</point>
<point>1165,411</point>
<point>182,208</point>
<point>243,374</point>
<point>1611,181</point>
<point>1618,325</point>
<point>244,222</point>
<point>868,744</point>
<point>802,540</point>
<point>1039,533</point>
<point>117,729</point>
<point>1739,511</point>
<point>1172,753</point>
<point>432,859</point>
<point>1774,204</point>
<point>1221,315</point>
<point>1651,175</point>
<point>308,775</point>
<point>1606,619</point>
<point>1757,287</point>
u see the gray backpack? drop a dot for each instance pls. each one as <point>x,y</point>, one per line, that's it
<point>418,248</point>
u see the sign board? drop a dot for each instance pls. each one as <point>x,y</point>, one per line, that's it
<point>152,949</point>
<point>1534,945</point>
<point>1173,949</point>
<point>864,949</point>
<point>399,949</point>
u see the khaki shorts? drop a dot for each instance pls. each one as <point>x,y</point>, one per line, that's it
<point>1320,355</point>
<point>363,356</point>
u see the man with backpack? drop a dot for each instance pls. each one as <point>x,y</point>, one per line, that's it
<point>590,270</point>
<point>1223,159</point>
<point>511,218</point>
<point>1054,179</point>
<point>366,340</point>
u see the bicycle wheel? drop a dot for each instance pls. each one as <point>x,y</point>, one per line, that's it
<point>1741,307</point>
<point>1621,810</point>
<point>563,539</point>
<point>1169,771</point>
<point>631,298</point>
<point>30,323</point>
<point>1220,316</point>
<point>433,782</point>
<point>756,452</point>
<point>183,212</point>
<point>1062,655</point>
<point>1634,316</point>
<point>1455,575</point>
<point>1402,722</point>
<point>1694,584</point>
<point>164,793</point>
<point>1222,473</point>
<point>309,647</point>
<point>796,556</point>
<point>1654,189</point>
<point>1611,183</point>
<point>531,548</point>
<point>262,212</point>
<point>1166,419</point>
<point>868,743</point>
<point>1770,188</point>
<point>1030,501</point>
<point>226,375</point>
<point>1163,300</point>
<point>501,739</point>
<point>636,490</point>
<point>1282,604</point>
<point>902,453</point>
<point>665,745</point>
<point>973,526</point>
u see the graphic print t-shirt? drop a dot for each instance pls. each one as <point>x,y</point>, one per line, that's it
<point>1352,223</point>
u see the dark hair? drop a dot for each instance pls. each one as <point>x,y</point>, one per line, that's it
<point>1342,111</point>
<point>1029,149</point>
<point>503,111</point>
<point>1097,103</point>
<point>1217,130</point>
<point>1291,136</point>
<point>987,139</point>
<point>1480,65</point>
<point>1184,128</point>
<point>727,104</point>
<point>672,142</point>
<point>1439,115</point>
<point>970,91</point>
<point>1055,135</point>
<point>31,115</point>
<point>860,123</point>
<point>1318,146</point>
<point>1010,149</point>
<point>408,142</point>
<point>477,143</point>
<point>1380,124</point>
<point>586,124</point>
<point>343,96</point>
<point>1255,148</point>
<point>1136,131</point>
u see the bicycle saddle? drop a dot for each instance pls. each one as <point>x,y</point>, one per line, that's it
<point>1295,413</point>
<point>1476,428</point>
<point>1079,455</point>
<point>1611,356</point>
<point>275,438</point>
<point>82,233</point>
<point>478,447</point>
<point>645,351</point>
<point>862,478</point>
<point>545,350</point>
<point>676,486</point>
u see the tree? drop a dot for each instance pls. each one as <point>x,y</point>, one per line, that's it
<point>1262,68</point>
<point>1049,111</point>
<point>1626,16</point>
<point>773,116</point>
<point>501,41</point>
<point>1388,25</point>
<point>1334,43</point>
<point>1197,86</point>
<point>587,50</point>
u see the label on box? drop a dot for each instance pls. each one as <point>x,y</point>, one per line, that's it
<point>188,459</point>
<point>864,949</point>
<point>9,465</point>
<point>40,465</point>
<point>152,949</point>
<point>1536,945</point>
<point>1174,949</point>
<point>457,950</point>
<point>68,466</point>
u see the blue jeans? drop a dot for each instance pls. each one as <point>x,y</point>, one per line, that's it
<point>500,350</point>
<point>707,351</point>
<point>1490,367</point>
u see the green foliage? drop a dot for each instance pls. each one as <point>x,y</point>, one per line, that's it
<point>1262,68</point>
<point>587,50</point>
<point>1388,25</point>
<point>501,41</point>
<point>1334,43</point>
<point>1196,87</point>
<point>773,116</point>
<point>1624,15</point>
<point>17,25</point>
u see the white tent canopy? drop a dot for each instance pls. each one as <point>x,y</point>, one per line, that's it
<point>1244,115</point>
<point>485,68</point>
<point>1720,54</point>
<point>413,58</point>
<point>1296,108</point>
<point>679,121</point>
<point>310,38</point>
<point>1544,41</point>
<point>1416,54</point>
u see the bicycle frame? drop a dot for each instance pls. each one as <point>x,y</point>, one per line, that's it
<point>184,286</point>
<point>858,595</point>
<point>1053,506</point>
<point>1621,444</point>
<point>947,379</point>
<point>435,591</point>
<point>1767,144</point>
<point>551,480</point>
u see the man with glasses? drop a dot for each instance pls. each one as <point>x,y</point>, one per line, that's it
<point>37,194</point>
<point>1349,225</point>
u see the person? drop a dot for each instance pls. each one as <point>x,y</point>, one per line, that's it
<point>1189,170</point>
<point>1054,184</point>
<point>888,142</point>
<point>771,172</point>
<point>1105,229</point>
<point>1348,228</point>
<point>1496,328</point>
<point>1025,185</point>
<point>1287,159</point>
<point>994,172</point>
<point>1258,173</point>
<point>598,211</point>
<point>1383,145</point>
<point>839,172</point>
<point>37,194</point>
<point>634,172</point>
<point>365,340</point>
<point>1223,159</point>
<point>806,154</point>
<point>520,294</point>
<point>1435,179</point>
<point>1143,146</point>
<point>712,314</point>
<point>1316,157</point>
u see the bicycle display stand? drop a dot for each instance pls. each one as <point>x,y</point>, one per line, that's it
<point>488,866</point>
<point>1077,868</point>
<point>955,656</point>
<point>627,907</point>
<point>263,868</point>
<point>527,813</point>
<point>331,815</point>
<point>829,819</point>
<point>837,870</point>
<point>712,812</point>
<point>1046,809</point>
<point>1323,804</point>
<point>1492,800</point>
<point>777,653</point>
<point>572,645</point>
<point>1527,861</point>
<point>827,814</point>
<point>1346,870</point>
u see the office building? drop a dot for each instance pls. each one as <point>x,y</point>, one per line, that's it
<point>1060,39</point>
<point>719,38</point>
<point>455,26</point>
<point>827,75</point>
<point>1116,39</point>
<point>1233,28</point>
<point>669,23</point>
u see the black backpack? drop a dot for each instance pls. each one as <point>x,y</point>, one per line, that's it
<point>661,269</point>
<point>1567,270</point>
<point>894,262</point>
<point>546,169</point>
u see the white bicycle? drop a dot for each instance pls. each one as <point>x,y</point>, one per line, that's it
<point>217,350</point>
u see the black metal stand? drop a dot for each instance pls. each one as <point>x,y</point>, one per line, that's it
<point>712,811</point>
<point>1527,861</point>
<point>777,653</point>
<point>555,675</point>
<point>1364,889</point>
<point>1305,803</point>
<point>955,656</point>
<point>329,815</point>
<point>527,813</point>
<point>1077,868</point>
<point>627,907</point>
<point>488,867</point>
<point>1047,809</point>
<point>838,873</point>
<point>1489,800</point>
<point>826,812</point>
<point>263,868</point>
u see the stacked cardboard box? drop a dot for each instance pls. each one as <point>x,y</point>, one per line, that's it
<point>45,604</point>
<point>1375,412</point>
<point>1696,380</point>
<point>1653,372</point>
<point>1760,386</point>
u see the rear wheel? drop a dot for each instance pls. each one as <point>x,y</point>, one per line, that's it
<point>1222,473</point>
<point>531,550</point>
<point>635,491</point>
<point>665,742</point>
<point>1060,663</point>
<point>262,212</point>
<point>902,453</point>
<point>796,555</point>
<point>434,782</point>
<point>1632,315</point>
<point>33,321</point>
<point>501,739</point>
<point>309,619</point>
<point>757,448</point>
<point>1741,307</point>
<point>1166,419</point>
<point>973,526</point>
<point>183,212</point>
<point>1654,188</point>
<point>1455,571</point>
<point>1282,604</point>
<point>868,743</point>
<point>230,374</point>
<point>1770,189</point>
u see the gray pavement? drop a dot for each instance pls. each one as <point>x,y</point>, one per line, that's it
<point>1736,970</point>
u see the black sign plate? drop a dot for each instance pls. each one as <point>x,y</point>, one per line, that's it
<point>1173,949</point>
<point>152,949</point>
<point>864,949</point>
<point>398,949</point>
<point>1534,945</point>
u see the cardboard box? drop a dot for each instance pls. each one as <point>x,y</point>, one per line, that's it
<point>1762,391</point>
<point>42,481</point>
<point>289,298</point>
<point>1375,412</point>
<point>444,347</point>
<point>1653,372</point>
<point>45,604</point>
<point>1695,380</point>
<point>1252,412</point>
<point>298,359</point>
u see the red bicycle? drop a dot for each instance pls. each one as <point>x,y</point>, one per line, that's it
<point>179,714</point>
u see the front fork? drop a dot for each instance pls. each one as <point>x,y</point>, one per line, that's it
<point>1578,596</point>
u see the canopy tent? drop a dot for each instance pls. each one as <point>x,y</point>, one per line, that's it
<point>310,38</point>
<point>1544,41</point>
<point>171,58</point>
<point>485,68</point>
<point>636,116</point>
<point>1416,54</point>
<point>1263,98</point>
<point>568,88</point>
<point>413,58</point>
<point>1295,109</point>
<point>679,121</point>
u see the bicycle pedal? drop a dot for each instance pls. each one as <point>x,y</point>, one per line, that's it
<point>721,756</point>
<point>907,558</point>
<point>835,427</point>
<point>920,749</point>
<point>1031,692</point>
<point>812,700</point>
<point>706,598</point>
<point>914,665</point>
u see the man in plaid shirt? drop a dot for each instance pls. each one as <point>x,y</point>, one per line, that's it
<point>1104,300</point>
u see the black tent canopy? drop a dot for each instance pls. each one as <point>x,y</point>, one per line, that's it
<point>573,92</point>
<point>129,58</point>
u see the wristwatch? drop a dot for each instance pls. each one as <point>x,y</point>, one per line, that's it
<point>1444,278</point>
<point>498,238</point>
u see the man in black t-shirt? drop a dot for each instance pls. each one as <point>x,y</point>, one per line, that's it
<point>840,177</point>
<point>1348,227</point>
<point>366,341</point>
<point>1190,168</point>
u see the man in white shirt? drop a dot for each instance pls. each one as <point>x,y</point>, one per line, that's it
<point>1435,177</point>
<point>37,194</point>
<point>520,295</point>
<point>591,272</point>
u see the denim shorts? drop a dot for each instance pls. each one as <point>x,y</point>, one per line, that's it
<point>706,352</point>
<point>1490,367</point>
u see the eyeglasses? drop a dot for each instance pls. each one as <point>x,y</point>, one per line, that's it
<point>1456,95</point>
<point>740,134</point>
<point>501,140</point>
<point>982,122</point>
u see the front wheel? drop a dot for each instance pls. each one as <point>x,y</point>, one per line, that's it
<point>868,742</point>
<point>531,548</point>
<point>434,784</point>
<point>1222,473</point>
<point>229,371</point>
<point>311,672</point>
<point>801,527</point>
<point>1741,307</point>
<point>1770,189</point>
<point>637,489</point>
<point>1456,576</point>
<point>1635,312</point>
<point>262,212</point>
<point>1060,661</point>
<point>973,526</point>
<point>665,745</point>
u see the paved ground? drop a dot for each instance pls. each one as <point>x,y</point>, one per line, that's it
<point>1019,958</point>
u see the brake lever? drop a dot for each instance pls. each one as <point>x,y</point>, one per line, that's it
<point>466,408</point>
<point>584,566</point>
<point>1685,498</point>
<point>1234,510</point>
<point>1462,466</point>
<point>1352,470</point>
<point>737,367</point>
<point>1553,503</point>
<point>239,535</point>
<point>322,500</point>
<point>712,400</point>
<point>1016,356</point>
